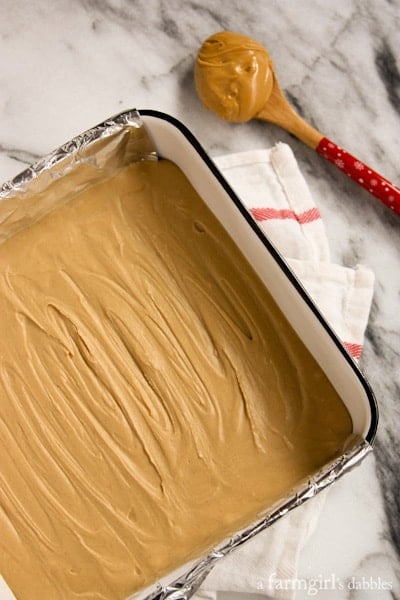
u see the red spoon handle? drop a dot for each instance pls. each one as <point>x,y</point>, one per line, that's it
<point>369,179</point>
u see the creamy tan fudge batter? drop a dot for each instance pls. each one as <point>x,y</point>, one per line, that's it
<point>153,399</point>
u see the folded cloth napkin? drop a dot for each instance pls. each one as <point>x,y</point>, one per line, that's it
<point>273,189</point>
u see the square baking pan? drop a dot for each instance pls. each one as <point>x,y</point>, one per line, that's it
<point>96,154</point>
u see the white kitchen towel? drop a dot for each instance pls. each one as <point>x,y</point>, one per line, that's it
<point>273,189</point>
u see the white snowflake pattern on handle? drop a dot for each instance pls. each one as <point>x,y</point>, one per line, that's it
<point>369,179</point>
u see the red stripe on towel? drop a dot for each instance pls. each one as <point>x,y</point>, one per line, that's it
<point>353,349</point>
<point>267,214</point>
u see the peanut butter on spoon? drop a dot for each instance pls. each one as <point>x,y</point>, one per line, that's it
<point>235,79</point>
<point>234,76</point>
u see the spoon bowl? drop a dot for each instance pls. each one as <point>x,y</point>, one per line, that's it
<point>234,76</point>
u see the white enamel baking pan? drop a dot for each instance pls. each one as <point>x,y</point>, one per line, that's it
<point>172,140</point>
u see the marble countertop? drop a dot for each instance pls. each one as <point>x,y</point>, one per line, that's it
<point>65,66</point>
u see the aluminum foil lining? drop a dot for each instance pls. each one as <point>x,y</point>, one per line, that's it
<point>185,585</point>
<point>88,159</point>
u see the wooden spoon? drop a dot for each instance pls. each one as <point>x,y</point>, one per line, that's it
<point>235,79</point>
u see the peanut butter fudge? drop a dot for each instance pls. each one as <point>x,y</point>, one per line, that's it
<point>153,398</point>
